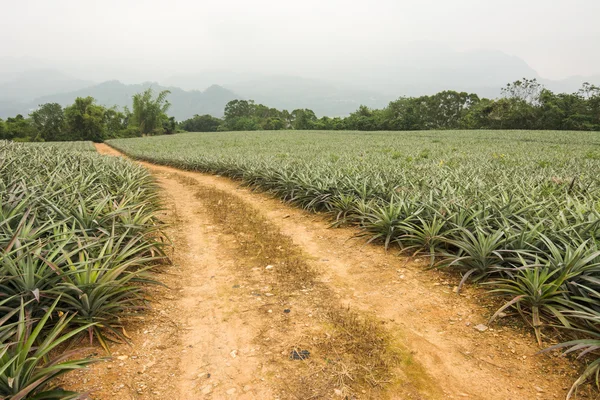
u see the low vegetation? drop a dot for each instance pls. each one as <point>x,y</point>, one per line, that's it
<point>518,211</point>
<point>524,104</point>
<point>85,120</point>
<point>78,234</point>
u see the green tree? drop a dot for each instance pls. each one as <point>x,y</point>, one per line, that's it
<point>527,90</point>
<point>149,113</point>
<point>303,118</point>
<point>49,121</point>
<point>169,126</point>
<point>116,122</point>
<point>405,114</point>
<point>239,115</point>
<point>239,109</point>
<point>19,129</point>
<point>446,110</point>
<point>85,120</point>
<point>273,124</point>
<point>201,123</point>
<point>2,129</point>
<point>365,119</point>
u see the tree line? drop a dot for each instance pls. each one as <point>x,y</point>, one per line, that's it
<point>524,104</point>
<point>87,120</point>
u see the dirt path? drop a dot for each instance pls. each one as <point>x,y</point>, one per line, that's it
<point>254,280</point>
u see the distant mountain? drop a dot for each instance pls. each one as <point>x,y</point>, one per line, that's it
<point>207,78</point>
<point>184,104</point>
<point>289,92</point>
<point>28,85</point>
<point>324,98</point>
<point>571,84</point>
<point>414,72</point>
<point>372,79</point>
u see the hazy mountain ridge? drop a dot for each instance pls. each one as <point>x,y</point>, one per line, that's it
<point>415,71</point>
<point>30,84</point>
<point>184,104</point>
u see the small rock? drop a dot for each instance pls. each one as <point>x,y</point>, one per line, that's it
<point>467,323</point>
<point>247,388</point>
<point>481,327</point>
<point>231,391</point>
<point>338,392</point>
<point>287,311</point>
<point>538,389</point>
<point>269,294</point>
<point>122,358</point>
<point>207,389</point>
<point>233,353</point>
<point>299,354</point>
<point>269,267</point>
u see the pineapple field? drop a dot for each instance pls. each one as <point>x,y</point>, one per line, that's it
<point>517,212</point>
<point>78,235</point>
<point>318,264</point>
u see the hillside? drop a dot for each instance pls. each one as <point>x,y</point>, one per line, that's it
<point>30,84</point>
<point>371,78</point>
<point>184,104</point>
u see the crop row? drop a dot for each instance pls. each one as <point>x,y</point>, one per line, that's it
<point>78,235</point>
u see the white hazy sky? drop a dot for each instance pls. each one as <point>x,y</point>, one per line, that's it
<point>557,38</point>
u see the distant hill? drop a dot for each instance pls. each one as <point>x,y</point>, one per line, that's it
<point>28,85</point>
<point>288,92</point>
<point>372,79</point>
<point>428,70</point>
<point>571,84</point>
<point>324,98</point>
<point>184,104</point>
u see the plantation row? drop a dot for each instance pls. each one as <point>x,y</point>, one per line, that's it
<point>519,211</point>
<point>78,234</point>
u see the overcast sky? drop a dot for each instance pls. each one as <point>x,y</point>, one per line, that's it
<point>556,38</point>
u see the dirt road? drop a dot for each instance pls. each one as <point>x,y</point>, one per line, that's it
<point>265,301</point>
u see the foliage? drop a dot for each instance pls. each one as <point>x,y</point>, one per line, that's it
<point>525,104</point>
<point>78,234</point>
<point>85,120</point>
<point>26,368</point>
<point>201,123</point>
<point>149,113</point>
<point>116,123</point>
<point>18,129</point>
<point>49,122</point>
